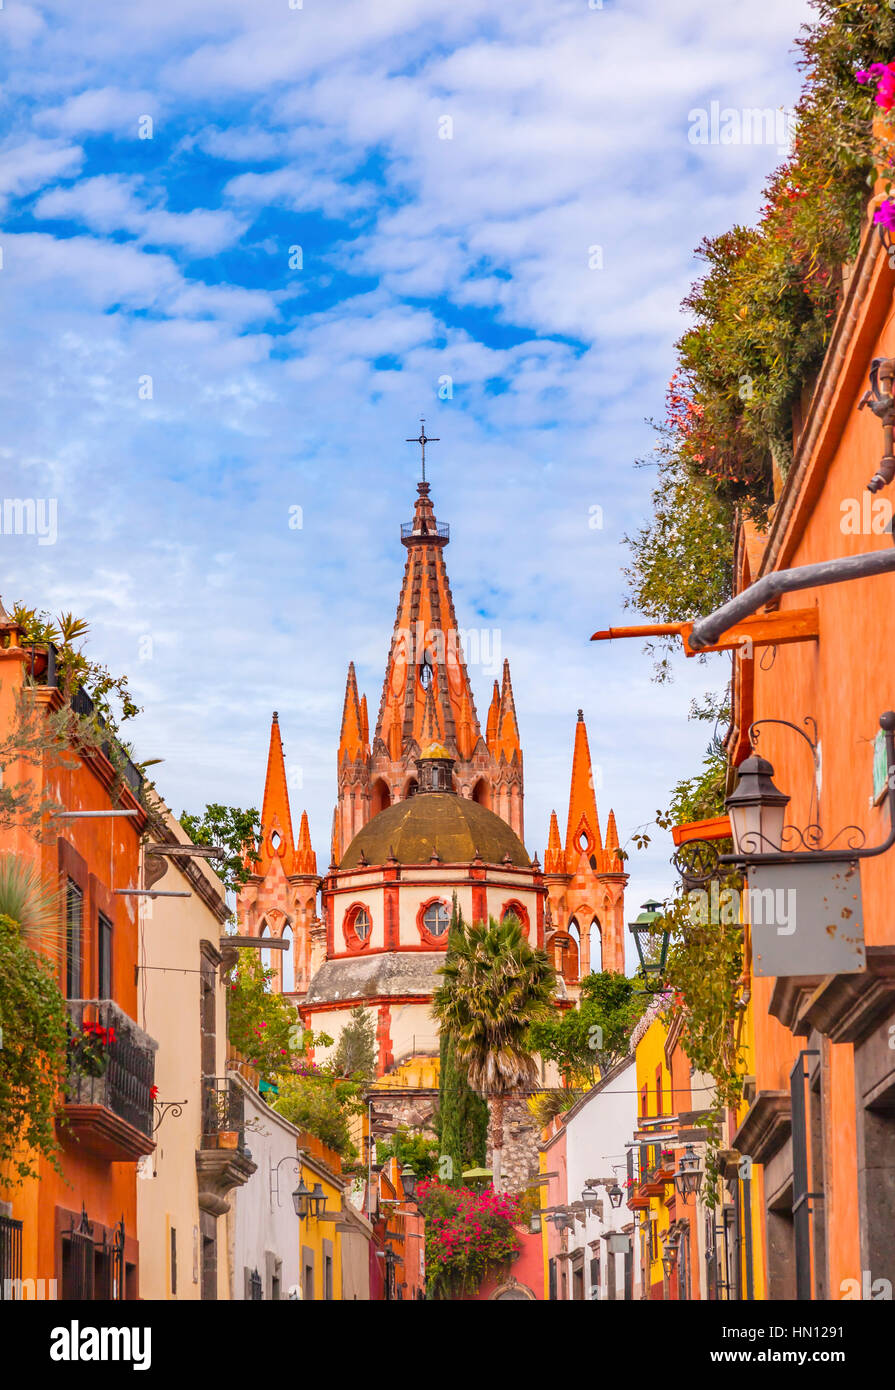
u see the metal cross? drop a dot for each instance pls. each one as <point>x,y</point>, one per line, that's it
<point>422,441</point>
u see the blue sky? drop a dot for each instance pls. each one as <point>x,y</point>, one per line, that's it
<point>273,387</point>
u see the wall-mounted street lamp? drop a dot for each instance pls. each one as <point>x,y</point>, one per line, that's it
<point>615,1195</point>
<point>275,1184</point>
<point>757,807</point>
<point>590,1196</point>
<point>408,1182</point>
<point>669,1255</point>
<point>643,931</point>
<point>688,1178</point>
<point>301,1199</point>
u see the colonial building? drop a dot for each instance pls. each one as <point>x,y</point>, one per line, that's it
<point>427,809</point>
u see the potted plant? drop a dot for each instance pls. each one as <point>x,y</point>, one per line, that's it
<point>219,1121</point>
<point>90,1049</point>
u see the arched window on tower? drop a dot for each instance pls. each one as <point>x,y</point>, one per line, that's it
<point>564,954</point>
<point>381,797</point>
<point>481,793</point>
<point>574,957</point>
<point>289,961</point>
<point>596,947</point>
<point>266,963</point>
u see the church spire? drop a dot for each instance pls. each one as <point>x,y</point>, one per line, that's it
<point>425,652</point>
<point>507,727</point>
<point>614,862</point>
<point>352,743</point>
<point>583,828</point>
<point>276,819</point>
<point>305,858</point>
<point>554,861</point>
<point>493,721</point>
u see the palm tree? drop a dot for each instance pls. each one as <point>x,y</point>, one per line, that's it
<point>495,986</point>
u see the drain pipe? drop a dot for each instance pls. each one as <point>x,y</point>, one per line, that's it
<point>706,631</point>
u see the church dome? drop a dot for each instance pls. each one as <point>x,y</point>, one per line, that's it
<point>459,829</point>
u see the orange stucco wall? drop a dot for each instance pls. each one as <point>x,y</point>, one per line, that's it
<point>102,855</point>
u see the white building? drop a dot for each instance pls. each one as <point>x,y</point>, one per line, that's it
<point>263,1229</point>
<point>600,1242</point>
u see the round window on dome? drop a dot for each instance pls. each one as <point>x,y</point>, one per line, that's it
<point>362,923</point>
<point>437,919</point>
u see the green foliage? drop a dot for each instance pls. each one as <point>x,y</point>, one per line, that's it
<point>321,1105</point>
<point>761,316</point>
<point>263,1026</point>
<point>33,1056</point>
<point>546,1105</point>
<point>237,831</point>
<point>421,1152</point>
<point>111,696</point>
<point>704,977</point>
<point>461,1120</point>
<point>355,1053</point>
<point>587,1041</point>
<point>495,986</point>
<point>32,904</point>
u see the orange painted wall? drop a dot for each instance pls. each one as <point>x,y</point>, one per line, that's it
<point>844,680</point>
<point>107,856</point>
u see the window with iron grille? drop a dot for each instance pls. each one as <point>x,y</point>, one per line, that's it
<point>10,1257</point>
<point>173,1261</point>
<point>74,913</point>
<point>104,957</point>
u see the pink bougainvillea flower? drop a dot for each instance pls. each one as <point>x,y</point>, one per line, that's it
<point>883,74</point>
<point>885,215</point>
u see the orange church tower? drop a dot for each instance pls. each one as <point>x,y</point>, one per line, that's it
<point>280,897</point>
<point>585,878</point>
<point>426,698</point>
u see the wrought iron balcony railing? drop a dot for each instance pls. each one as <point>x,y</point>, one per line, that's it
<point>440,531</point>
<point>111,1062</point>
<point>223,1110</point>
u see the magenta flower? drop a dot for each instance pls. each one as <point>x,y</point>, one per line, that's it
<point>883,74</point>
<point>885,215</point>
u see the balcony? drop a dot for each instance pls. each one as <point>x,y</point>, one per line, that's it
<point>435,533</point>
<point>108,1096</point>
<point>223,1162</point>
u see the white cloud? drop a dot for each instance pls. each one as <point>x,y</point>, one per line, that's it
<point>111,203</point>
<point>31,163</point>
<point>570,128</point>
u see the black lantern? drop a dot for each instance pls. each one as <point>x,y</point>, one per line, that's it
<point>642,931</point>
<point>688,1178</point>
<point>301,1199</point>
<point>757,809</point>
<point>317,1200</point>
<point>615,1195</point>
<point>408,1182</point>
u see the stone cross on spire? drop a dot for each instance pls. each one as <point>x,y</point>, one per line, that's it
<point>422,440</point>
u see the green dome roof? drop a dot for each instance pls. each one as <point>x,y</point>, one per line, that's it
<point>453,825</point>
